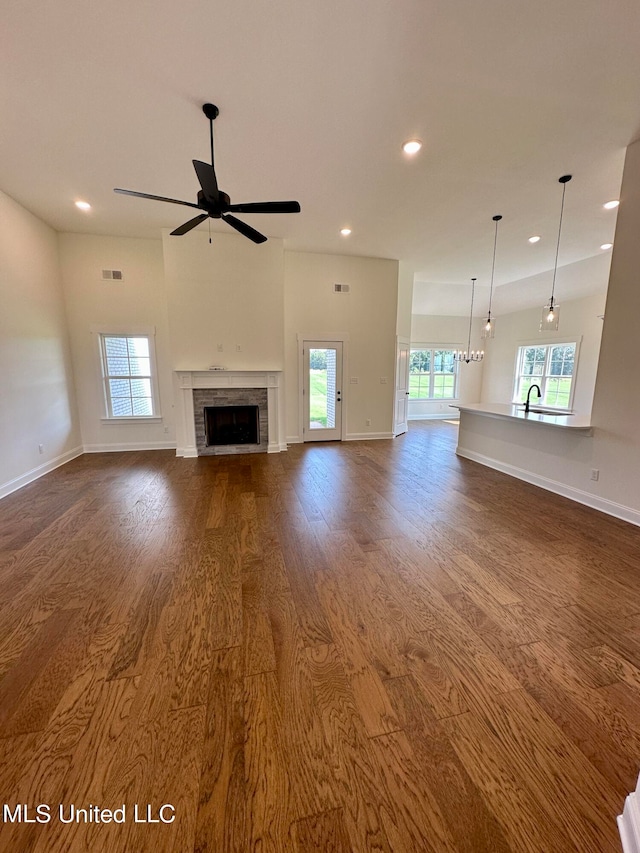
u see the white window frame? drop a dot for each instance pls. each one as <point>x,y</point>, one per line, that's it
<point>542,380</point>
<point>148,332</point>
<point>421,347</point>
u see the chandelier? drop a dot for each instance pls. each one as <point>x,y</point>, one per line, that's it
<point>469,354</point>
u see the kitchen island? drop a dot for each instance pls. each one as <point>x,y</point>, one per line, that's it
<point>563,420</point>
<point>553,451</point>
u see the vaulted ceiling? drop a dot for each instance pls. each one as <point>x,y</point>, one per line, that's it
<point>316,99</point>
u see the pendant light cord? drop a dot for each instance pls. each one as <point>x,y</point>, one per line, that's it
<point>563,181</point>
<point>496,219</point>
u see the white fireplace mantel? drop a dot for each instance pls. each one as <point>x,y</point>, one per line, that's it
<point>187,380</point>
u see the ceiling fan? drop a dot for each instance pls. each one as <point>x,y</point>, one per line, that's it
<point>215,203</point>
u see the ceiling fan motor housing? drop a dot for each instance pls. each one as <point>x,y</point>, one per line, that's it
<point>214,212</point>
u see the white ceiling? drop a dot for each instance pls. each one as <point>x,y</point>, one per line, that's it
<point>315,100</point>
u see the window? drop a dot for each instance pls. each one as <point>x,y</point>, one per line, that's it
<point>432,374</point>
<point>552,367</point>
<point>127,371</point>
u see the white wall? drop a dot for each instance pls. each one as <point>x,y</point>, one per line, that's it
<point>579,321</point>
<point>365,317</point>
<point>557,459</point>
<point>135,304</point>
<point>616,404</point>
<point>405,301</point>
<point>454,332</point>
<point>37,401</point>
<point>225,294</point>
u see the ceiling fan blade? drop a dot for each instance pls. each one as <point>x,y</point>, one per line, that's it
<point>182,229</point>
<point>207,177</point>
<point>244,229</point>
<point>156,197</point>
<point>266,207</point>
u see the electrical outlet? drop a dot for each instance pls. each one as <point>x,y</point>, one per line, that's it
<point>354,380</point>
<point>595,474</point>
<point>368,421</point>
<point>166,430</point>
<point>220,348</point>
<point>383,380</point>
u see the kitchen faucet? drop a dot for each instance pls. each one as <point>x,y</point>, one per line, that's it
<point>537,387</point>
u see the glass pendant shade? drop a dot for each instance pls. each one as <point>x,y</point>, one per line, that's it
<point>489,328</point>
<point>550,318</point>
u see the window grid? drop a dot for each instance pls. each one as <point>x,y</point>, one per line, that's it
<point>432,374</point>
<point>552,367</point>
<point>126,367</point>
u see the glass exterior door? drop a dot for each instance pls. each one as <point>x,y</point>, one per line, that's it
<point>322,390</point>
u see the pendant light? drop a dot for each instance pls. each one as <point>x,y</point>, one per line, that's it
<point>469,354</point>
<point>551,311</point>
<point>489,328</point>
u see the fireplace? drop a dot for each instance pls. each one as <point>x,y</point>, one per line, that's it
<point>220,389</point>
<point>230,420</point>
<point>231,425</point>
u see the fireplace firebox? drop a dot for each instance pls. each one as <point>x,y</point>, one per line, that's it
<point>231,425</point>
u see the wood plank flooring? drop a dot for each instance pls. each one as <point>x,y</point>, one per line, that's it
<point>343,648</point>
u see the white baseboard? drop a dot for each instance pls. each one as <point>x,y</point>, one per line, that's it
<point>617,510</point>
<point>350,436</point>
<point>134,445</point>
<point>277,447</point>
<point>40,471</point>
<point>440,416</point>
<point>367,436</point>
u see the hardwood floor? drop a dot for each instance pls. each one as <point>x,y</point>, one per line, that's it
<point>346,647</point>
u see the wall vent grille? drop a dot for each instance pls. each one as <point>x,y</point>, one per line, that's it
<point>112,275</point>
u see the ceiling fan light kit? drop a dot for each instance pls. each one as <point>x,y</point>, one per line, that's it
<point>215,203</point>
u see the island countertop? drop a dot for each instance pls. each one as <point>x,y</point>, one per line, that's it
<point>517,413</point>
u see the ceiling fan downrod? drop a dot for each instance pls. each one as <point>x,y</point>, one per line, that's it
<point>212,113</point>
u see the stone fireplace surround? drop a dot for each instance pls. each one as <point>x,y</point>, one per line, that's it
<point>237,381</point>
<point>205,397</point>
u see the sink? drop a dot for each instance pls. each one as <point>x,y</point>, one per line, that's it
<point>539,411</point>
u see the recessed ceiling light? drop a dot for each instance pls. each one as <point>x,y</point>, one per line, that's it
<point>83,205</point>
<point>606,246</point>
<point>534,239</point>
<point>345,232</point>
<point>609,205</point>
<point>412,146</point>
